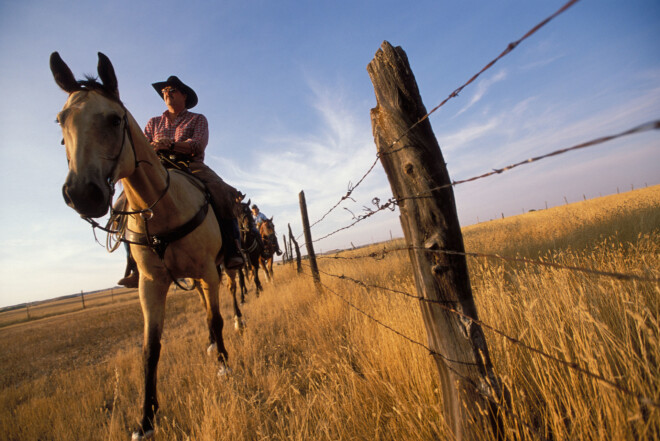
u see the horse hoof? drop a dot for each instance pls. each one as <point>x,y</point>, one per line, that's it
<point>139,436</point>
<point>239,324</point>
<point>223,371</point>
<point>212,349</point>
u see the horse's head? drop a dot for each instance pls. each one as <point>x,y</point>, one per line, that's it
<point>96,136</point>
<point>267,228</point>
<point>244,216</point>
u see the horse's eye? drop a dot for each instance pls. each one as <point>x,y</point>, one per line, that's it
<point>115,120</point>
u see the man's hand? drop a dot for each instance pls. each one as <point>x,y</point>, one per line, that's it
<point>162,144</point>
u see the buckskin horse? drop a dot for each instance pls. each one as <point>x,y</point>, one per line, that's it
<point>104,145</point>
<point>267,231</point>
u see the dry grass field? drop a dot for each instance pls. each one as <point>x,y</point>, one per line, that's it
<point>310,367</point>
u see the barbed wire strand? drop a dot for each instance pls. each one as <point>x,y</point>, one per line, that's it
<point>389,205</point>
<point>652,125</point>
<point>510,47</point>
<point>644,401</point>
<point>616,275</point>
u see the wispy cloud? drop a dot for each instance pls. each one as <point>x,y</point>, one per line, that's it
<point>482,88</point>
<point>324,162</point>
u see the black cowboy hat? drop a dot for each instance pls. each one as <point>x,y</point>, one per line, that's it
<point>172,81</point>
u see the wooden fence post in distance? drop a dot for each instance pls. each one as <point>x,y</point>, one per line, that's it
<point>308,240</point>
<point>414,165</point>
<point>295,242</point>
<point>285,258</point>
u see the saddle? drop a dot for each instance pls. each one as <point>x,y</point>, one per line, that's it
<point>175,160</point>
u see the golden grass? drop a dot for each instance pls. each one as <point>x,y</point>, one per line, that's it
<point>311,367</point>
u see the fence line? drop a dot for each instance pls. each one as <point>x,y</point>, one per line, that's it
<point>643,400</point>
<point>452,306</point>
<point>510,47</point>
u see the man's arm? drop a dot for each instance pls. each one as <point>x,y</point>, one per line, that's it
<point>196,144</point>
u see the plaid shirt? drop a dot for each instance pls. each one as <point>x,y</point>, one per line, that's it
<point>188,126</point>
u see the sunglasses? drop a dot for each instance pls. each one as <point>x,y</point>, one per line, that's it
<point>169,90</point>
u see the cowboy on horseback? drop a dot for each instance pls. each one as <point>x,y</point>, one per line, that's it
<point>260,218</point>
<point>182,136</point>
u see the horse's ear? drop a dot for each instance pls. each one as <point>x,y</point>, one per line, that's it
<point>62,74</point>
<point>249,201</point>
<point>107,75</point>
<point>271,218</point>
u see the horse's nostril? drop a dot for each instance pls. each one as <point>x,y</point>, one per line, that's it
<point>87,199</point>
<point>65,195</point>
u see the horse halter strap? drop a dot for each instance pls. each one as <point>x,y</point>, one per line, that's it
<point>147,212</point>
<point>127,133</point>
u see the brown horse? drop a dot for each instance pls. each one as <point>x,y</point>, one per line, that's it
<point>267,231</point>
<point>175,234</point>
<point>249,241</point>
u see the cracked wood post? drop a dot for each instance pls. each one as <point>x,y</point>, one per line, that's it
<point>308,241</point>
<point>414,165</point>
<point>295,242</point>
<point>285,258</point>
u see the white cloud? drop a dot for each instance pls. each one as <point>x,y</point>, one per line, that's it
<point>482,88</point>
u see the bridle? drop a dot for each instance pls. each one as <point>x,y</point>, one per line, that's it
<point>268,240</point>
<point>115,215</point>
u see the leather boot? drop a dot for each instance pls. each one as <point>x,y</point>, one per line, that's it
<point>130,281</point>
<point>231,244</point>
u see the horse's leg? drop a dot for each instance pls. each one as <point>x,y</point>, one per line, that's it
<point>152,300</point>
<point>210,287</point>
<point>241,282</point>
<point>270,268</point>
<point>231,285</point>
<point>255,273</point>
<point>198,286</point>
<point>264,265</point>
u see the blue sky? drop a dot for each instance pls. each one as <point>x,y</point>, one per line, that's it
<point>285,88</point>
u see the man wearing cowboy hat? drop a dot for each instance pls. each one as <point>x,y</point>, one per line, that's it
<point>260,218</point>
<point>186,134</point>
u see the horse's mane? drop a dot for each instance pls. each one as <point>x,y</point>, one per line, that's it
<point>92,84</point>
<point>244,210</point>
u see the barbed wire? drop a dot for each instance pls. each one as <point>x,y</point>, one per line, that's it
<point>392,202</point>
<point>510,47</point>
<point>652,125</point>
<point>616,275</point>
<point>643,400</point>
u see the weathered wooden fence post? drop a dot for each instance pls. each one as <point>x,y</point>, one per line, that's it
<point>291,245</point>
<point>82,297</point>
<point>295,242</point>
<point>415,166</point>
<point>285,258</point>
<point>308,240</point>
